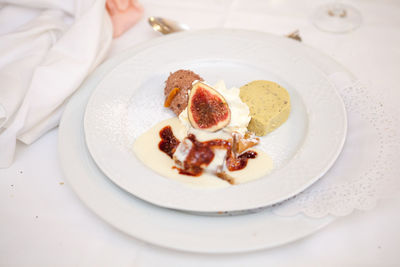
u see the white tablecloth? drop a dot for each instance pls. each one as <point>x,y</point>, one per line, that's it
<point>43,223</point>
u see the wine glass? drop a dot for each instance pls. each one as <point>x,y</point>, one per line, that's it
<point>336,17</point>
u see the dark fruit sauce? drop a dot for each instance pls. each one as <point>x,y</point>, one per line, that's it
<point>201,153</point>
<point>169,142</point>
<point>240,162</point>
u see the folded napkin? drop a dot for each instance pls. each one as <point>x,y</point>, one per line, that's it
<point>44,58</point>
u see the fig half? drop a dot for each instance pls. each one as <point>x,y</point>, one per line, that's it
<point>207,109</point>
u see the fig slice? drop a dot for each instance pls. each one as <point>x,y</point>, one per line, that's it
<point>207,109</point>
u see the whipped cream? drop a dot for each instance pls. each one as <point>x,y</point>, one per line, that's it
<point>182,151</point>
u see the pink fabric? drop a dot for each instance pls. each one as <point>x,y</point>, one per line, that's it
<point>124,14</point>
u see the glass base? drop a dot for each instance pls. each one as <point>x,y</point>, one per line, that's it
<point>336,17</point>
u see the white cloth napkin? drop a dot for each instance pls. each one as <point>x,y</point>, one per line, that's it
<point>43,61</point>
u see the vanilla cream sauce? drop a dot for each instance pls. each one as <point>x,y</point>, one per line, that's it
<point>146,149</point>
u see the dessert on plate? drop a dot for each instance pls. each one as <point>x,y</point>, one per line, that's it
<point>212,140</point>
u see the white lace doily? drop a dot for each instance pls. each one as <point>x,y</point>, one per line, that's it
<point>368,168</point>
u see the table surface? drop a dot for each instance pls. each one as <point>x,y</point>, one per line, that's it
<point>43,223</point>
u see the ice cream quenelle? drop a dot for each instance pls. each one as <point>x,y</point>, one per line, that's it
<point>176,89</point>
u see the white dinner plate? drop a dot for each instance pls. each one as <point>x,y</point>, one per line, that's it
<point>156,225</point>
<point>129,100</point>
